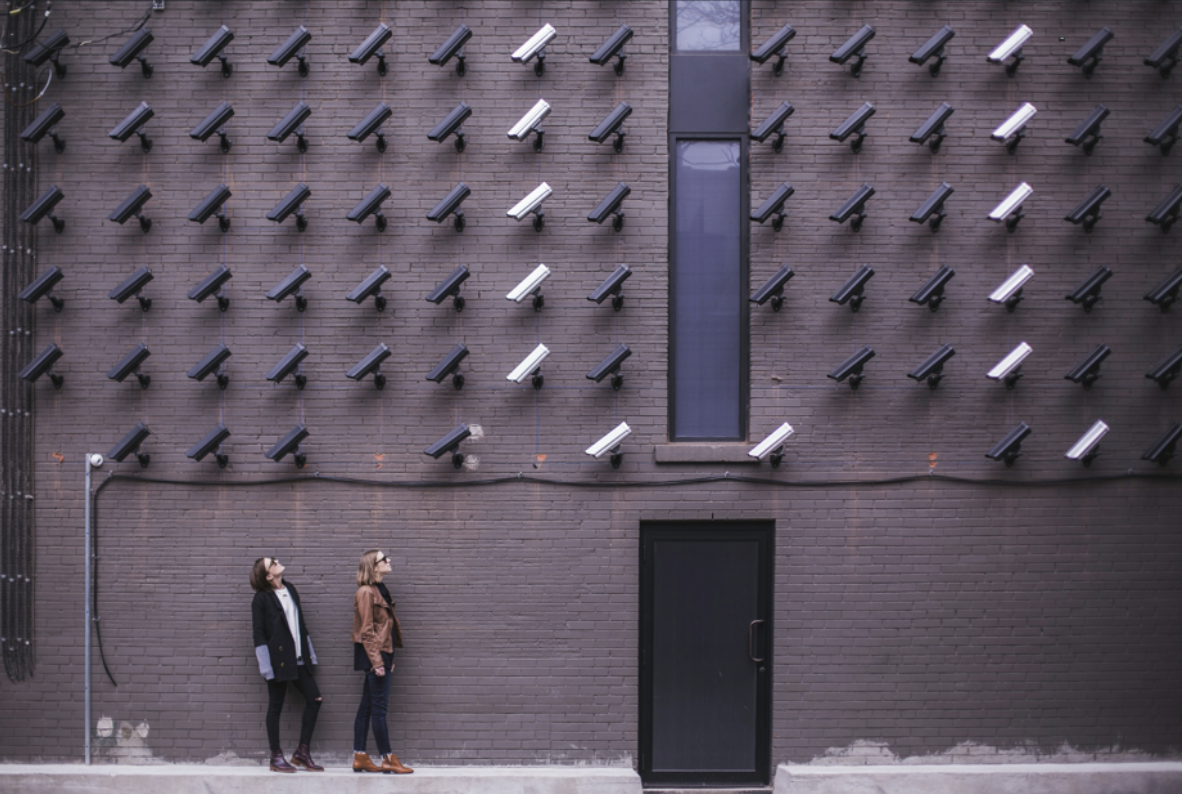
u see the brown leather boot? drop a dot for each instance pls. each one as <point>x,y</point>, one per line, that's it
<point>390,763</point>
<point>279,764</point>
<point>363,763</point>
<point>303,757</point>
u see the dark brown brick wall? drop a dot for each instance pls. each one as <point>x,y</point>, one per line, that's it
<point>1016,608</point>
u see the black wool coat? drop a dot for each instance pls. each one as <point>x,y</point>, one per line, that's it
<point>272,633</point>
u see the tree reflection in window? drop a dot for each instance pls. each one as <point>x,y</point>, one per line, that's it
<point>708,26</point>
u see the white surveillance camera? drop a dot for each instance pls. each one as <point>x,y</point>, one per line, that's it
<point>95,460</point>
<point>529,366</point>
<point>1011,46</point>
<point>1087,447</point>
<point>1015,125</point>
<point>610,443</point>
<point>532,204</point>
<point>536,46</point>
<point>773,445</point>
<point>529,123</point>
<point>1009,368</point>
<point>1010,208</point>
<point>530,284</point>
<point>1009,292</point>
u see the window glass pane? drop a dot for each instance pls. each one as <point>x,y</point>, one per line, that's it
<point>707,292</point>
<point>708,25</point>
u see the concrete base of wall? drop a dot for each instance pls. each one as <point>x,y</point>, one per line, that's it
<point>1130,778</point>
<point>196,779</point>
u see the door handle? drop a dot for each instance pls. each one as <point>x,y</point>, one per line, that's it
<point>751,641</point>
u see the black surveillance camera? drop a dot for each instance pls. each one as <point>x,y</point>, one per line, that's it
<point>931,294</point>
<point>611,206</point>
<point>933,208</point>
<point>209,363</point>
<point>1165,57</point>
<point>43,365</point>
<point>611,366</point>
<point>1087,371</point>
<point>451,126</point>
<point>1009,449</point>
<point>46,124</point>
<point>854,46</point>
<point>215,122</point>
<point>372,363</point>
<point>774,47</point>
<point>1087,134</point>
<point>43,285</point>
<point>291,286</point>
<point>450,365</point>
<point>934,48</point>
<point>131,126</point>
<point>131,51</point>
<point>451,205</point>
<point>1088,56</point>
<point>293,48</point>
<point>369,126</point>
<point>209,443</point>
<point>289,444</point>
<point>373,46</point>
<point>1167,370</point>
<point>1088,293</point>
<point>854,125</point>
<point>932,368</point>
<point>450,286</point>
<point>288,365</point>
<point>132,286</point>
<point>611,49</point>
<point>612,285</point>
<point>933,128</point>
<point>292,202</point>
<point>43,208</point>
<point>854,206</point>
<point>210,285</point>
<point>1088,211</point>
<point>773,289</point>
<point>1161,452</point>
<point>131,445</point>
<point>213,49</point>
<point>292,122</point>
<point>1165,135</point>
<point>49,49</point>
<point>452,49</point>
<point>1166,213</point>
<point>1163,295</point>
<point>852,291</point>
<point>371,205</point>
<point>130,364</point>
<point>851,368</point>
<point>133,205</point>
<point>611,126</point>
<point>773,124</point>
<point>774,205</point>
<point>371,286</point>
<point>212,205</point>
<point>450,443</point>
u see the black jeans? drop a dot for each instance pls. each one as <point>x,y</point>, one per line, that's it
<point>375,699</point>
<point>277,689</point>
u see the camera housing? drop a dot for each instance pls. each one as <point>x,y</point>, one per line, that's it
<point>1165,135</point>
<point>450,365</point>
<point>1087,371</point>
<point>773,124</point>
<point>611,443</point>
<point>611,125</point>
<point>931,294</point>
<point>1087,293</point>
<point>132,286</point>
<point>371,364</point>
<point>529,123</point>
<point>852,291</point>
<point>452,125</point>
<point>775,47</point>
<point>1013,130</point>
<point>369,126</point>
<point>1087,447</point>
<point>934,47</point>
<point>210,362</point>
<point>371,286</point>
<point>531,285</point>
<point>46,124</point>
<point>293,48</point>
<point>292,202</point>
<point>212,284</point>
<point>535,47</point>
<point>212,48</point>
<point>772,447</point>
<point>933,208</point>
<point>130,364</point>
<point>49,49</point>
<point>933,128</point>
<point>854,206</point>
<point>611,366</point>
<point>209,443</point>
<point>532,205</point>
<point>213,205</point>
<point>130,444</point>
<point>1165,57</point>
<point>613,285</point>
<point>612,49</point>
<point>1166,213</point>
<point>133,205</point>
<point>1011,47</point>
<point>530,365</point>
<point>854,125</point>
<point>1088,56</point>
<point>1167,370</point>
<point>452,48</point>
<point>371,205</point>
<point>373,46</point>
<point>131,125</point>
<point>1087,134</point>
<point>451,205</point>
<point>292,286</point>
<point>292,122</point>
<point>1009,369</point>
<point>288,365</point>
<point>1009,292</point>
<point>450,286</point>
<point>773,289</point>
<point>42,364</point>
<point>932,368</point>
<point>774,205</point>
<point>215,122</point>
<point>42,287</point>
<point>450,443</point>
<point>611,206</point>
<point>43,208</point>
<point>1088,211</point>
<point>132,51</point>
<point>1009,449</point>
<point>1161,452</point>
<point>1162,296</point>
<point>289,444</point>
<point>851,368</point>
<point>1010,208</point>
<point>855,46</point>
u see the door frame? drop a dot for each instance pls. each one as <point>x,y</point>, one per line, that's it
<point>765,533</point>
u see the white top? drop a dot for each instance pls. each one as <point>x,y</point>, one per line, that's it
<point>293,619</point>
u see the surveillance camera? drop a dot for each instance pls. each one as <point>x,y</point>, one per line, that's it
<point>931,293</point>
<point>855,124</point>
<point>130,364</point>
<point>773,289</point>
<point>1167,370</point>
<point>209,443</point>
<point>774,47</point>
<point>1009,448</point>
<point>215,122</point>
<point>1011,47</point>
<point>854,46</point>
<point>450,443</point>
<point>42,364</point>
<point>451,48</point>
<point>529,124</point>
<point>1010,208</point>
<point>530,285</point>
<point>212,204</point>
<point>774,205</point>
<point>1162,296</point>
<point>611,206</point>
<point>611,366</point>
<point>852,291</point>
<point>934,206</point>
<point>450,287</point>
<point>94,460</point>
<point>369,125</point>
<point>132,286</point>
<point>293,48</point>
<point>43,285</point>
<point>450,205</point>
<point>372,363</point>
<point>1165,57</point>
<point>450,365</point>
<point>535,46</point>
<point>291,286</point>
<point>210,362</point>
<point>532,204</point>
<point>773,445</point>
<point>1009,292</point>
<point>934,126</point>
<point>451,126</point>
<point>932,368</point>
<point>290,443</point>
<point>131,51</point>
<point>293,202</point>
<point>1088,211</point>
<point>210,285</point>
<point>131,445</point>
<point>1165,135</point>
<point>934,48</point>
<point>133,205</point>
<point>1087,371</point>
<point>851,368</point>
<point>1166,213</point>
<point>46,124</point>
<point>854,206</point>
<point>131,126</point>
<point>530,366</point>
<point>43,207</point>
<point>1087,133</point>
<point>1087,293</point>
<point>1088,447</point>
<point>773,124</point>
<point>213,49</point>
<point>290,123</point>
<point>611,49</point>
<point>1161,452</point>
<point>288,364</point>
<point>371,205</point>
<point>371,286</point>
<point>613,286</point>
<point>1013,130</point>
<point>1088,56</point>
<point>611,126</point>
<point>611,443</point>
<point>373,46</point>
<point>1009,369</point>
<point>49,49</point>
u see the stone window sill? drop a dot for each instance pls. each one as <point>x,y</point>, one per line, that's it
<point>728,452</point>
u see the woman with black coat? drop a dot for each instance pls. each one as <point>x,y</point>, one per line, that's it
<point>278,621</point>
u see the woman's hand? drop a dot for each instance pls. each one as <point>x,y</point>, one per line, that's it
<point>379,671</point>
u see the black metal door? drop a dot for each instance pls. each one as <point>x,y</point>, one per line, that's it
<point>705,627</point>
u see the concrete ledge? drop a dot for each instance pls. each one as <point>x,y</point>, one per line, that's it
<point>703,453</point>
<point>1114,778</point>
<point>198,779</point>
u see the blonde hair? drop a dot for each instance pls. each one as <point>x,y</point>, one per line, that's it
<point>367,569</point>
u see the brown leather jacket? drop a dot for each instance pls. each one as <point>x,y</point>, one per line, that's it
<point>374,624</point>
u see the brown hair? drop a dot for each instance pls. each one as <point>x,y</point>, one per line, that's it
<point>367,568</point>
<point>258,577</point>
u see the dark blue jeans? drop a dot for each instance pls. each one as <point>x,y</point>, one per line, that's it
<point>375,700</point>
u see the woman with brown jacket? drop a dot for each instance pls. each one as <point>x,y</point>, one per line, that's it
<point>376,634</point>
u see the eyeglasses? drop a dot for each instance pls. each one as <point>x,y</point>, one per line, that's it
<point>273,563</point>
<point>381,559</point>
